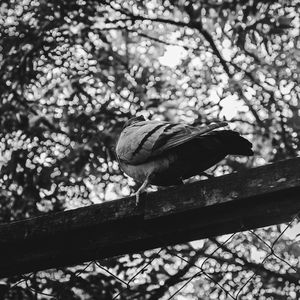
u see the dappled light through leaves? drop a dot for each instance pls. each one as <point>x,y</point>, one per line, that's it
<point>72,72</point>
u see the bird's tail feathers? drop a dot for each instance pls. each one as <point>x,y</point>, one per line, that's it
<point>233,143</point>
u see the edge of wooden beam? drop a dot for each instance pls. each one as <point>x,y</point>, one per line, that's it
<point>253,198</point>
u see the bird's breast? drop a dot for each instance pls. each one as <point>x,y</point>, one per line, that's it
<point>141,171</point>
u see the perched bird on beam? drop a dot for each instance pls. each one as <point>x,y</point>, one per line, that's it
<point>163,154</point>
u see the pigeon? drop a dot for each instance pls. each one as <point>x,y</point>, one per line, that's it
<point>164,154</point>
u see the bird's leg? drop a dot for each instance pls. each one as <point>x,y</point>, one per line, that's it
<point>140,190</point>
<point>209,176</point>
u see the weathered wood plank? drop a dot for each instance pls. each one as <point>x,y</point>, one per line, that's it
<point>254,198</point>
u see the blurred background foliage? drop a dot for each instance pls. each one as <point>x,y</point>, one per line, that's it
<point>72,71</point>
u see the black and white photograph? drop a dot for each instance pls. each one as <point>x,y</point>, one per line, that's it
<point>149,150</point>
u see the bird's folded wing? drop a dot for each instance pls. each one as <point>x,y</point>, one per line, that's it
<point>145,140</point>
<point>136,141</point>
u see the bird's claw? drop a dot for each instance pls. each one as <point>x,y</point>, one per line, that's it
<point>137,198</point>
<point>140,190</point>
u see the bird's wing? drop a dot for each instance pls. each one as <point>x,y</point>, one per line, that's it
<point>136,141</point>
<point>144,140</point>
<point>178,134</point>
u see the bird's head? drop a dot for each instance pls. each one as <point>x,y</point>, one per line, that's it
<point>134,120</point>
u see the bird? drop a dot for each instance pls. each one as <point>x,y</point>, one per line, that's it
<point>163,153</point>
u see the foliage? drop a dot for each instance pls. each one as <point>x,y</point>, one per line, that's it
<point>71,72</point>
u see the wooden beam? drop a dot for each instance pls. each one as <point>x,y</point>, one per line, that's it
<point>240,201</point>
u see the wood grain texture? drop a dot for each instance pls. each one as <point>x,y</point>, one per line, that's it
<point>254,198</point>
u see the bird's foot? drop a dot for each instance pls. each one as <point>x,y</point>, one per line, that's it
<point>209,176</point>
<point>137,195</point>
<point>140,190</point>
<point>137,198</point>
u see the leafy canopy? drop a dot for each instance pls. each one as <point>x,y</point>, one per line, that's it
<point>71,72</point>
